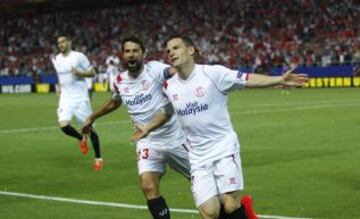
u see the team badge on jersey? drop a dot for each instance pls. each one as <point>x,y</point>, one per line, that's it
<point>175,97</point>
<point>200,91</point>
<point>126,90</point>
<point>145,85</point>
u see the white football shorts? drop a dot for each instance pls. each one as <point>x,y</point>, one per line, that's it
<point>153,157</point>
<point>217,177</point>
<point>80,109</point>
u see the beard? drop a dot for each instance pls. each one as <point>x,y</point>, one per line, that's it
<point>133,65</point>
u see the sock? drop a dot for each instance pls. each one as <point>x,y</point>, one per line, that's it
<point>222,214</point>
<point>69,130</point>
<point>95,143</point>
<point>158,208</point>
<point>238,214</point>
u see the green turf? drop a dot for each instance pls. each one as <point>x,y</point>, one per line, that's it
<point>300,154</point>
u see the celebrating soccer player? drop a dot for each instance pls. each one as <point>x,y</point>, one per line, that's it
<point>140,89</point>
<point>72,68</point>
<point>198,94</point>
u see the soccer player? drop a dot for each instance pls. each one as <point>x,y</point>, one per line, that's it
<point>198,94</point>
<point>140,89</point>
<point>72,68</point>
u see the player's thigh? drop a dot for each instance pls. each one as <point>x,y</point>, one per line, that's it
<point>231,201</point>
<point>83,110</point>
<point>229,175</point>
<point>178,160</point>
<point>149,158</point>
<point>203,185</point>
<point>65,112</point>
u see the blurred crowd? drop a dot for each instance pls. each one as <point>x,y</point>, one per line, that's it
<point>256,34</point>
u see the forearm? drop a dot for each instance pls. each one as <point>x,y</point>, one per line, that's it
<point>257,80</point>
<point>86,74</point>
<point>107,108</point>
<point>160,119</point>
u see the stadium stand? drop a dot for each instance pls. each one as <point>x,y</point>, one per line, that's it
<point>256,34</point>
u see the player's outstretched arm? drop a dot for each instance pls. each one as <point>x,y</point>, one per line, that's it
<point>108,107</point>
<point>289,78</point>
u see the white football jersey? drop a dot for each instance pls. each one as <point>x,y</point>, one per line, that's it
<point>144,98</point>
<point>72,88</point>
<point>201,105</point>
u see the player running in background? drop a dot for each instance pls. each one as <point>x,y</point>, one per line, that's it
<point>198,94</point>
<point>140,89</point>
<point>72,68</point>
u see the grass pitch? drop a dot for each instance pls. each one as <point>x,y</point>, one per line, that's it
<point>300,154</point>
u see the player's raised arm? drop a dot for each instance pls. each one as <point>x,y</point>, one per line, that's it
<point>289,78</point>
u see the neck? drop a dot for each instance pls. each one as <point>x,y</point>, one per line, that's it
<point>135,74</point>
<point>184,71</point>
<point>65,53</point>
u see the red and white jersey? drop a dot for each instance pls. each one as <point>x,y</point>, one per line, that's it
<point>144,98</point>
<point>200,102</point>
<point>72,88</point>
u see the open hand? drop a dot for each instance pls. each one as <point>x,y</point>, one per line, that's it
<point>140,133</point>
<point>294,79</point>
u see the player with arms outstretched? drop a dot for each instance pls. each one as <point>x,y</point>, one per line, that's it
<point>198,94</point>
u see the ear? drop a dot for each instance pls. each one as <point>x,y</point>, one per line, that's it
<point>144,54</point>
<point>191,50</point>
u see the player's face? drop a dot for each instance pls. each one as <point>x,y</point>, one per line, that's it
<point>132,56</point>
<point>178,53</point>
<point>63,44</point>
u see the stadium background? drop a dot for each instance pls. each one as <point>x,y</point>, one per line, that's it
<point>300,151</point>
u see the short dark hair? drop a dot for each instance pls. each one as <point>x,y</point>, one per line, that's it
<point>63,33</point>
<point>133,39</point>
<point>187,41</point>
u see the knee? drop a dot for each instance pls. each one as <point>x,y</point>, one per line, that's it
<point>63,124</point>
<point>149,189</point>
<point>231,205</point>
<point>210,213</point>
<point>210,209</point>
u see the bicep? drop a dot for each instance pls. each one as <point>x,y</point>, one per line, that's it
<point>226,79</point>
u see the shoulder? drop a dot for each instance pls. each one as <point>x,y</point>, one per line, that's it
<point>170,82</point>
<point>55,58</point>
<point>213,68</point>
<point>77,54</point>
<point>121,77</point>
<point>153,64</point>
